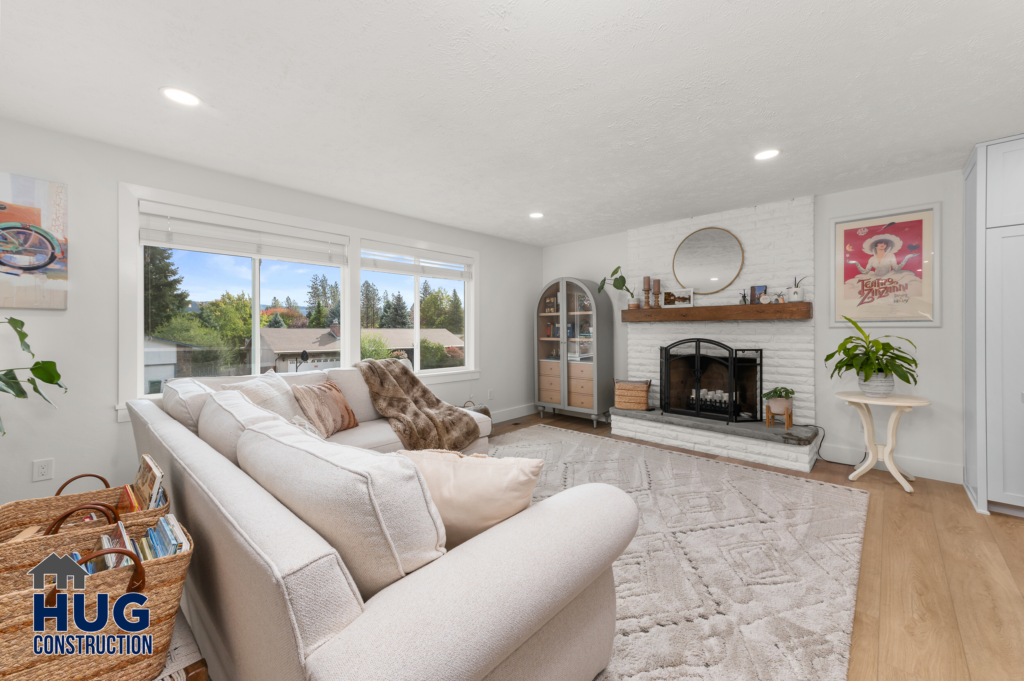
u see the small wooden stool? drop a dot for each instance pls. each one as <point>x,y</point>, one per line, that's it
<point>769,419</point>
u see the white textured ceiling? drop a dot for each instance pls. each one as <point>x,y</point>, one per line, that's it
<point>603,115</point>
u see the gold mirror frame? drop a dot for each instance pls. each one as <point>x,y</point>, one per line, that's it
<point>742,259</point>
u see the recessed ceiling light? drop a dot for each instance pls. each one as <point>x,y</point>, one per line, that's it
<point>536,216</point>
<point>180,96</point>
<point>714,278</point>
<point>767,154</point>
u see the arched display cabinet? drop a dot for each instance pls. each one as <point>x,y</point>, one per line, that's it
<point>573,328</point>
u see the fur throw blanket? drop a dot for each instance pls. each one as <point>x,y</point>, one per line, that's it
<point>418,417</point>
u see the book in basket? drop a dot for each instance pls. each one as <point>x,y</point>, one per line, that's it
<point>147,482</point>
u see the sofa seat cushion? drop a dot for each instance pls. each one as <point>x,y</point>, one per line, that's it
<point>482,420</point>
<point>375,509</point>
<point>225,417</point>
<point>376,435</point>
<point>184,399</point>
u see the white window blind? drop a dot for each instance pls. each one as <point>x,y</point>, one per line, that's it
<point>177,226</point>
<point>396,259</point>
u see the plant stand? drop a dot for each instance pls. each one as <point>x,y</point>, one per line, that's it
<point>769,419</point>
<point>876,452</point>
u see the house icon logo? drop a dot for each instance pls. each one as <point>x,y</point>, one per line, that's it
<point>62,568</point>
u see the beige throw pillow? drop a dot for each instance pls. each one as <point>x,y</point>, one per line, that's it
<point>325,407</point>
<point>475,493</point>
<point>273,393</point>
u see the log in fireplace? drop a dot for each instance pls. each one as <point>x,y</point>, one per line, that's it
<point>705,378</point>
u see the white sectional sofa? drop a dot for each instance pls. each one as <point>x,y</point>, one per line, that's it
<point>269,598</point>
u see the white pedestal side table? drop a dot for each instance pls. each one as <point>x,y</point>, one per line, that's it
<point>876,452</point>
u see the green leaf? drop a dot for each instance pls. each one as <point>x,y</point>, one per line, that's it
<point>616,270</point>
<point>10,381</point>
<point>19,328</point>
<point>620,282</point>
<point>600,287</point>
<point>2,431</point>
<point>39,392</point>
<point>46,372</point>
<point>857,326</point>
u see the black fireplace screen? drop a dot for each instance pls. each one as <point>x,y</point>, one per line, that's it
<point>701,377</point>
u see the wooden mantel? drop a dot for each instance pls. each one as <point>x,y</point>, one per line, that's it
<point>720,313</point>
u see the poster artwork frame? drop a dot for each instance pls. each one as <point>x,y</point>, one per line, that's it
<point>935,261</point>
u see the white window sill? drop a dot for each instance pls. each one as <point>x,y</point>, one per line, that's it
<point>449,376</point>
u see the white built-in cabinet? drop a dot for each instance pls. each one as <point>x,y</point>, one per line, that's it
<point>994,326</point>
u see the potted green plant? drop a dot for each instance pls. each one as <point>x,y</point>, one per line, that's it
<point>795,294</point>
<point>619,283</point>
<point>876,362</point>
<point>43,371</point>
<point>779,400</point>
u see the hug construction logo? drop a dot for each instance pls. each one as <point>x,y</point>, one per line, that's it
<point>87,639</point>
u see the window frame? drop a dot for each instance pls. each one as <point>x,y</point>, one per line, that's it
<point>131,384</point>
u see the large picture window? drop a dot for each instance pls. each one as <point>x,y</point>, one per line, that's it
<point>300,312</point>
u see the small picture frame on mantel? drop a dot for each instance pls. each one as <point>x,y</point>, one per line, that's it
<point>682,298</point>
<point>756,293</point>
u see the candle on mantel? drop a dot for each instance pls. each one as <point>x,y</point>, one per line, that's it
<point>647,283</point>
<point>657,286</point>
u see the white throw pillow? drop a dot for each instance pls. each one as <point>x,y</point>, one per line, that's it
<point>373,508</point>
<point>272,392</point>
<point>475,493</point>
<point>225,416</point>
<point>184,399</point>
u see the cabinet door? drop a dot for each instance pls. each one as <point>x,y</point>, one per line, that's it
<point>1005,364</point>
<point>580,345</point>
<point>550,335</point>
<point>1006,184</point>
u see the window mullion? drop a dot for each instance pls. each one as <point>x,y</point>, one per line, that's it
<point>254,344</point>
<point>416,322</point>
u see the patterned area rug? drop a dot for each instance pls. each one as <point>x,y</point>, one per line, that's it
<point>735,573</point>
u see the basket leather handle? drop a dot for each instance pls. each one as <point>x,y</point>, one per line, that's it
<point>135,585</point>
<point>83,475</point>
<point>108,513</point>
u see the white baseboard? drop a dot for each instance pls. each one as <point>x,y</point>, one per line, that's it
<point>1008,509</point>
<point>522,410</point>
<point>925,468</point>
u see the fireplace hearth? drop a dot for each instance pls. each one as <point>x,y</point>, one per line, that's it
<point>707,379</point>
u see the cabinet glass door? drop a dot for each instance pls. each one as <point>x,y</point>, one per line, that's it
<point>549,346</point>
<point>580,324</point>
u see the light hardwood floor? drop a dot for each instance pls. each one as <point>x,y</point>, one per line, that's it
<point>941,589</point>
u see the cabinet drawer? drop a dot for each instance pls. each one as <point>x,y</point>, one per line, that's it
<point>580,370</point>
<point>550,368</point>
<point>550,383</point>
<point>582,386</point>
<point>551,396</point>
<point>581,401</point>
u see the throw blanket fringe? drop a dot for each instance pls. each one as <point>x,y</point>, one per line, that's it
<point>417,416</point>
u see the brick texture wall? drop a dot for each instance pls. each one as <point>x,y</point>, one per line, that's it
<point>778,244</point>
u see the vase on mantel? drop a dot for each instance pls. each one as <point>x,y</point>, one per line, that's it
<point>880,385</point>
<point>634,306</point>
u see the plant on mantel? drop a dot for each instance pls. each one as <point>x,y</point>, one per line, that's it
<point>619,282</point>
<point>868,356</point>
<point>44,371</point>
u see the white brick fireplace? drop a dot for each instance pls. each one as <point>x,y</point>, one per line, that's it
<point>778,244</point>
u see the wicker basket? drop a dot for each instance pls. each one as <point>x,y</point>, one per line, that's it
<point>631,395</point>
<point>162,580</point>
<point>17,515</point>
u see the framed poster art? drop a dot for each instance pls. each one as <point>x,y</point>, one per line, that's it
<point>33,243</point>
<point>885,268</point>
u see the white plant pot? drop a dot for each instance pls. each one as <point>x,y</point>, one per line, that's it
<point>779,405</point>
<point>794,295</point>
<point>880,385</point>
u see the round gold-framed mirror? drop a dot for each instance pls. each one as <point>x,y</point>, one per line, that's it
<point>708,260</point>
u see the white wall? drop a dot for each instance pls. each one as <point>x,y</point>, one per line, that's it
<point>931,438</point>
<point>82,434</point>
<point>593,259</point>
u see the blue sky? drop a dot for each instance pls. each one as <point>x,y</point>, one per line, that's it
<point>207,276</point>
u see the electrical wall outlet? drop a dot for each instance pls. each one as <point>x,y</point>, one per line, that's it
<point>42,469</point>
<point>490,394</point>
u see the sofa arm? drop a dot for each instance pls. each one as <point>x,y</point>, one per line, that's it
<point>461,615</point>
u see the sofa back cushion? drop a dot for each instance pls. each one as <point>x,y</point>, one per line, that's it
<point>184,399</point>
<point>353,387</point>
<point>373,508</point>
<point>224,418</point>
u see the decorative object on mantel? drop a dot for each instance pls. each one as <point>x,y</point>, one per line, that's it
<point>874,361</point>
<point>721,313</point>
<point>755,294</point>
<point>795,294</point>
<point>743,298</point>
<point>780,403</point>
<point>632,394</point>
<point>657,293</point>
<point>619,283</point>
<point>709,259</point>
<point>684,298</point>
<point>748,570</point>
<point>885,266</point>
<point>44,371</point>
<point>876,452</point>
